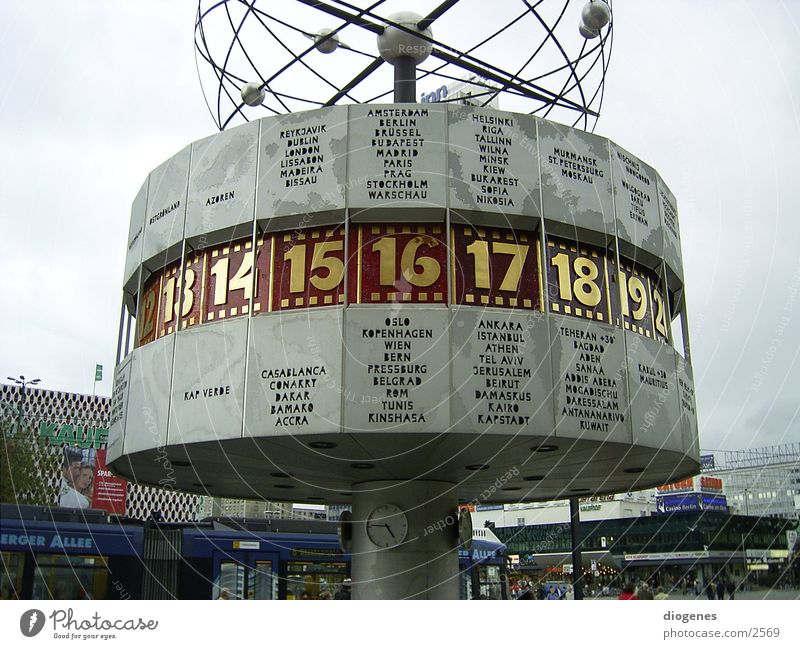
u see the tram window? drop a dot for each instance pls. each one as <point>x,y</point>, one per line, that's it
<point>67,577</point>
<point>11,575</point>
<point>259,580</point>
<point>491,585</point>
<point>313,578</point>
<point>230,583</point>
<point>262,583</point>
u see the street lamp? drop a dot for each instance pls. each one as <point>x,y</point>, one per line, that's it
<point>24,383</point>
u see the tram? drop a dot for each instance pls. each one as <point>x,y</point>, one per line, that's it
<point>62,553</point>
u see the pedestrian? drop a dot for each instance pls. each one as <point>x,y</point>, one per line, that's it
<point>710,588</point>
<point>344,591</point>
<point>627,592</point>
<point>661,593</point>
<point>721,589</point>
<point>644,592</point>
<point>731,588</point>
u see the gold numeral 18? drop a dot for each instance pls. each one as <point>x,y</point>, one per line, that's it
<point>584,287</point>
<point>480,251</point>
<point>319,259</point>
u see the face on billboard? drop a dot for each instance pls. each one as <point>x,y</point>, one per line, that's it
<point>72,472</point>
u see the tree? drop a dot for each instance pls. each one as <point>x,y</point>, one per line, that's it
<point>27,465</point>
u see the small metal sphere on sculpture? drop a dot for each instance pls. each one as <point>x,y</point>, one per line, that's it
<point>595,15</point>
<point>396,43</point>
<point>253,94</point>
<point>587,33</point>
<point>325,43</point>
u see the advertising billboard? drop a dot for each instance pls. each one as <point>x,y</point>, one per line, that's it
<point>84,480</point>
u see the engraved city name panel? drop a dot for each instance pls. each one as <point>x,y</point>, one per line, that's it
<point>302,167</point>
<point>166,206</point>
<point>294,376</point>
<point>397,160</point>
<point>492,165</point>
<point>636,201</point>
<point>135,238</point>
<point>590,384</point>
<point>691,445</point>
<point>502,380</point>
<point>672,235</point>
<point>397,370</point>
<point>653,389</point>
<point>208,385</point>
<point>576,187</point>
<point>148,400</point>
<point>222,184</point>
<point>119,408</point>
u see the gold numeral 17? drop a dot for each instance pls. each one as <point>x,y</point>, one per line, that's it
<point>480,251</point>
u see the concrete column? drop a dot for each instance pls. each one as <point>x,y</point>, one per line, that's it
<point>425,564</point>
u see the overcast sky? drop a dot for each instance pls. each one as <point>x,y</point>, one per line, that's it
<point>97,94</point>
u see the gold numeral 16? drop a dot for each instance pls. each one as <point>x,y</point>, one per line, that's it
<point>584,286</point>
<point>430,268</point>
<point>319,259</point>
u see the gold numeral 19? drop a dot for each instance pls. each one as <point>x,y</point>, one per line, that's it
<point>480,251</point>
<point>584,287</point>
<point>431,269</point>
<point>632,288</point>
<point>319,259</point>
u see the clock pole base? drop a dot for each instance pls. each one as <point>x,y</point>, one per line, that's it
<point>425,564</point>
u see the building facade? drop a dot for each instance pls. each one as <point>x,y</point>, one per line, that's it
<point>759,482</point>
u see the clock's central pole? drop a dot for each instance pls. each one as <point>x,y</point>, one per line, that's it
<point>425,564</point>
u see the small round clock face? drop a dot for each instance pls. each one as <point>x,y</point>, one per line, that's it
<point>387,526</point>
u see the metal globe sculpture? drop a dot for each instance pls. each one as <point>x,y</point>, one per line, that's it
<point>529,56</point>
